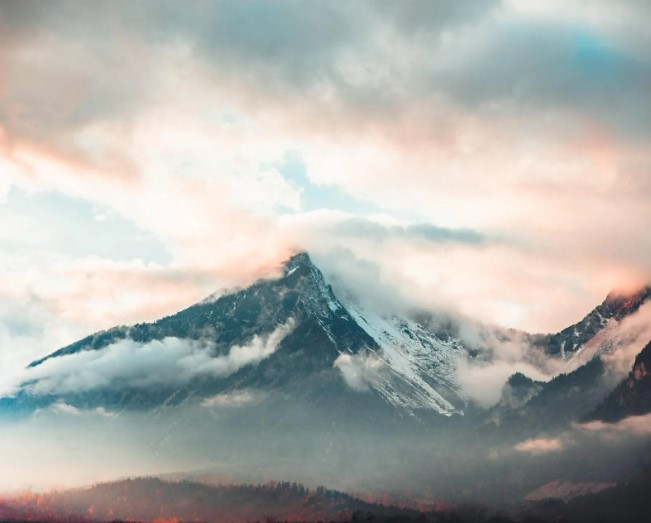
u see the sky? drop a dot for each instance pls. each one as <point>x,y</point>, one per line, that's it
<point>488,158</point>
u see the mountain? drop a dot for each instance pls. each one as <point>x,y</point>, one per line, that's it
<point>565,490</point>
<point>151,499</point>
<point>632,397</point>
<point>288,335</point>
<point>574,338</point>
<point>530,407</point>
<point>625,502</point>
<point>287,379</point>
<point>292,348</point>
<point>586,377</point>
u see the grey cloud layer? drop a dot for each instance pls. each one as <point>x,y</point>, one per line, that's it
<point>549,67</point>
<point>364,57</point>
<point>368,229</point>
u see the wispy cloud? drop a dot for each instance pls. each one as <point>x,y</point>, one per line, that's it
<point>638,425</point>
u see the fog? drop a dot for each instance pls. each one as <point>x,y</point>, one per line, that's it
<point>248,437</point>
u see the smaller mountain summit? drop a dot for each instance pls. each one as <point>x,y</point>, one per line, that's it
<point>588,380</point>
<point>614,308</point>
<point>618,305</point>
<point>297,261</point>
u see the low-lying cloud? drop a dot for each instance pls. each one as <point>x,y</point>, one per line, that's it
<point>167,361</point>
<point>359,371</point>
<point>234,399</point>
<point>483,382</point>
<point>540,445</point>
<point>629,339</point>
<point>61,407</point>
<point>482,378</point>
<point>638,425</point>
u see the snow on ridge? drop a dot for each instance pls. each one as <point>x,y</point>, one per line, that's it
<point>416,362</point>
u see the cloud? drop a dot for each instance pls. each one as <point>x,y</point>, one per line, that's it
<point>628,340</point>
<point>637,425</point>
<point>540,445</point>
<point>589,70</point>
<point>359,371</point>
<point>369,229</point>
<point>50,221</point>
<point>234,399</point>
<point>483,383</point>
<point>503,354</point>
<point>432,17</point>
<point>159,362</point>
<point>66,409</point>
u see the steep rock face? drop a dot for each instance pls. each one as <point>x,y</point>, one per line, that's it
<point>290,334</point>
<point>571,340</point>
<point>632,397</point>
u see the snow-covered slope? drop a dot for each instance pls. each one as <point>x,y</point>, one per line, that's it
<point>422,365</point>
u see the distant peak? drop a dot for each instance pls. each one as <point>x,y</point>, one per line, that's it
<point>641,293</point>
<point>300,259</point>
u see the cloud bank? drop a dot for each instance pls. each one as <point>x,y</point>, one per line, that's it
<point>359,371</point>
<point>170,361</point>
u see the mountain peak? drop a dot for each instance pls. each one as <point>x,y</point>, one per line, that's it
<point>622,304</point>
<point>300,259</point>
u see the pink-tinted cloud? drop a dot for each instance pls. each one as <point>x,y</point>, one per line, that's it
<point>540,445</point>
<point>639,425</point>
